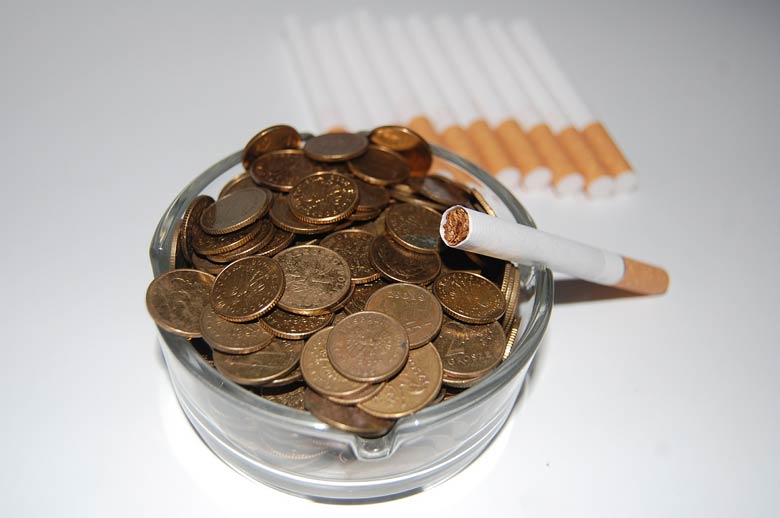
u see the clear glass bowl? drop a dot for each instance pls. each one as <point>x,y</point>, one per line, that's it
<point>293,451</point>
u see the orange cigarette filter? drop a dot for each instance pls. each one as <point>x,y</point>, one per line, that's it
<point>496,160</point>
<point>585,161</point>
<point>606,149</point>
<point>458,141</point>
<point>551,152</point>
<point>519,147</point>
<point>423,127</point>
<point>337,129</point>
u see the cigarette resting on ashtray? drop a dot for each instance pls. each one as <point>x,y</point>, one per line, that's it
<point>473,231</point>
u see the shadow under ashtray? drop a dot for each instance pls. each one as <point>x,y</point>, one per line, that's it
<point>576,290</point>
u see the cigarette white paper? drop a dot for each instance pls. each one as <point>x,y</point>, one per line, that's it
<point>511,241</point>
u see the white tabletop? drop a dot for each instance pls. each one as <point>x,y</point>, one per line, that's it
<point>662,406</point>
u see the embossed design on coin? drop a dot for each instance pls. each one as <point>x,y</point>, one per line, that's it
<point>380,166</point>
<point>318,371</point>
<point>414,307</point>
<point>176,299</point>
<point>270,139</point>
<point>235,211</point>
<point>469,297</point>
<point>400,264</point>
<point>189,220</point>
<point>284,219</point>
<point>232,337</point>
<point>247,288</point>
<point>335,147</point>
<point>468,350</point>
<point>281,170</point>
<point>323,197</point>
<point>261,367</point>
<point>316,279</point>
<point>368,346</point>
<point>347,418</point>
<point>414,387</point>
<point>353,245</point>
<point>294,327</point>
<point>414,226</point>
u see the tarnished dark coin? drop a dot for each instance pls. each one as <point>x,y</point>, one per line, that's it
<point>445,191</point>
<point>469,297</point>
<point>347,418</point>
<point>251,247</point>
<point>414,227</point>
<point>190,221</point>
<point>232,337</point>
<point>283,218</point>
<point>368,346</point>
<point>362,292</point>
<point>281,170</point>
<point>316,279</point>
<point>371,198</point>
<point>469,351</point>
<point>323,197</point>
<point>291,397</point>
<point>412,389</point>
<point>416,199</point>
<point>414,307</point>
<point>258,368</point>
<point>401,264</point>
<point>409,145</point>
<point>380,166</point>
<point>270,139</point>
<point>353,245</point>
<point>207,244</point>
<point>176,299</point>
<point>335,147</point>
<point>320,374</point>
<point>247,288</point>
<point>294,327</point>
<point>238,183</point>
<point>235,211</point>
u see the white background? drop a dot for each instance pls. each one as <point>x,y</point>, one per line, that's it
<point>663,406</point>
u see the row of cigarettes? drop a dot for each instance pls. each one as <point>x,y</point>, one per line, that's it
<point>489,91</point>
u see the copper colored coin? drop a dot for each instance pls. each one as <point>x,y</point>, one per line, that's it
<point>469,297</point>
<point>444,191</point>
<point>176,299</point>
<point>207,244</point>
<point>235,211</point>
<point>294,376</point>
<point>320,374</point>
<point>175,258</point>
<point>368,346</point>
<point>371,198</point>
<point>316,279</point>
<point>461,383</point>
<point>414,307</point>
<point>414,227</point>
<point>353,245</point>
<point>189,221</point>
<point>205,264</point>
<point>280,239</point>
<point>408,144</point>
<point>357,301</point>
<point>335,147</point>
<point>367,393</point>
<point>261,367</point>
<point>252,247</point>
<point>239,183</point>
<point>401,264</point>
<point>247,288</point>
<point>281,170</point>
<point>270,139</point>
<point>416,200</point>
<point>291,397</point>
<point>469,351</point>
<point>323,197</point>
<point>412,389</point>
<point>294,327</point>
<point>347,418</point>
<point>380,166</point>
<point>283,218</point>
<point>232,337</point>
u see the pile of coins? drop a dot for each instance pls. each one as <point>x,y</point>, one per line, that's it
<point>318,280</point>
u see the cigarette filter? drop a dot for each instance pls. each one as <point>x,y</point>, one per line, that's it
<point>473,231</point>
<point>597,182</point>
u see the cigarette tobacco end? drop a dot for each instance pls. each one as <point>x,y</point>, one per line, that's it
<point>456,226</point>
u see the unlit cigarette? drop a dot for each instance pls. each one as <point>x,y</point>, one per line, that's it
<point>473,231</point>
<point>573,105</point>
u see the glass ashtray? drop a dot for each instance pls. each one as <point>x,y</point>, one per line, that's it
<point>292,450</point>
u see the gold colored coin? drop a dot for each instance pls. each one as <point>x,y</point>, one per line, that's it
<point>258,368</point>
<point>283,218</point>
<point>175,259</point>
<point>353,245</point>
<point>414,307</point>
<point>235,211</point>
<point>262,238</point>
<point>270,139</point>
<point>416,200</point>
<point>204,264</point>
<point>414,227</point>
<point>320,374</point>
<point>316,279</point>
<point>368,346</point>
<point>190,221</point>
<point>232,337</point>
<point>408,144</point>
<point>372,198</point>
<point>280,239</point>
<point>380,166</point>
<point>207,244</point>
<point>176,299</point>
<point>400,264</point>
<point>363,216</point>
<point>335,147</point>
<point>412,389</point>
<point>281,170</point>
<point>513,297</point>
<point>361,294</point>
<point>482,202</point>
<point>294,327</point>
<point>238,183</point>
<point>248,288</point>
<point>469,297</point>
<point>461,383</point>
<point>347,418</point>
<point>323,197</point>
<point>444,191</point>
<point>469,351</point>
